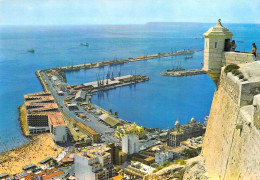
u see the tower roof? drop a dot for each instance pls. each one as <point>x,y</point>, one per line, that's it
<point>193,120</point>
<point>177,123</point>
<point>218,30</point>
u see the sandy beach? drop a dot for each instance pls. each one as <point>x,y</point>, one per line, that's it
<point>41,147</point>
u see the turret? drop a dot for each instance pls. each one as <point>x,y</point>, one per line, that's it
<point>217,40</point>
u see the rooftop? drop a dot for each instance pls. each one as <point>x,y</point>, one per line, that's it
<point>51,175</point>
<point>93,153</point>
<point>56,119</point>
<point>251,71</point>
<point>87,128</point>
<point>218,30</point>
<point>179,149</point>
<point>112,121</point>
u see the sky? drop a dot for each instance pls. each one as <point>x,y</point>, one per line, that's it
<point>89,12</point>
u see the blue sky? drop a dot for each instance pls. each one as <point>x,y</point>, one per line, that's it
<point>85,12</point>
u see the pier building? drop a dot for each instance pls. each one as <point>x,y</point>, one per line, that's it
<point>94,135</point>
<point>80,95</point>
<point>93,164</point>
<point>43,116</point>
<point>110,120</point>
<point>182,133</point>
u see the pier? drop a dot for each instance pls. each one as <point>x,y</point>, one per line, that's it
<point>189,72</point>
<point>122,61</point>
<point>107,84</point>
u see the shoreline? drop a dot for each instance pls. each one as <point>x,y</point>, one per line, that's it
<point>32,152</point>
<point>36,149</point>
<point>22,122</point>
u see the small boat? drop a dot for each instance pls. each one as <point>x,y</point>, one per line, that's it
<point>188,57</point>
<point>84,44</point>
<point>30,50</point>
<point>240,41</point>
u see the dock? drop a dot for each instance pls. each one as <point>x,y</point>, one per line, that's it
<point>107,84</point>
<point>122,61</point>
<point>189,72</point>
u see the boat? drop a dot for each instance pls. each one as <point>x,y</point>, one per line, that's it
<point>188,57</point>
<point>240,41</point>
<point>30,50</point>
<point>84,44</point>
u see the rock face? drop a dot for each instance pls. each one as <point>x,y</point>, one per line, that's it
<point>232,140</point>
<point>193,170</point>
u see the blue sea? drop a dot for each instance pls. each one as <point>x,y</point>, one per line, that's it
<point>156,103</point>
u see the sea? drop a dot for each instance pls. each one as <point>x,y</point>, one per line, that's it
<point>157,103</point>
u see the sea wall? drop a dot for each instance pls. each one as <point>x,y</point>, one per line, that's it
<point>231,143</point>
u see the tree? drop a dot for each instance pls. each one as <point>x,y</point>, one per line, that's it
<point>190,153</point>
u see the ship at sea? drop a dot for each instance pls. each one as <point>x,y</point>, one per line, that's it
<point>84,44</point>
<point>188,57</point>
<point>31,50</point>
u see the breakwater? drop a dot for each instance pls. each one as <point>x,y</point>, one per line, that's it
<point>122,61</point>
<point>189,72</point>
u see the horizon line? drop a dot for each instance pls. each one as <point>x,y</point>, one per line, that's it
<point>147,23</point>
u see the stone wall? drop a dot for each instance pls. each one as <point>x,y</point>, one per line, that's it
<point>231,144</point>
<point>231,85</point>
<point>236,58</point>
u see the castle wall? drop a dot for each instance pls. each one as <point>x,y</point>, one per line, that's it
<point>230,152</point>
<point>236,58</point>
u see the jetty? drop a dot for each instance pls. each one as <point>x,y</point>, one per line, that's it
<point>126,60</point>
<point>189,72</point>
<point>107,84</point>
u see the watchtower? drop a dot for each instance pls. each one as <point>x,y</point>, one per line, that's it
<point>217,40</point>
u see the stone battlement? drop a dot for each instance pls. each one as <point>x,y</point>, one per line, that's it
<point>237,58</point>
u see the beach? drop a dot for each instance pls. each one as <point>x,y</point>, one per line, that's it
<point>41,147</point>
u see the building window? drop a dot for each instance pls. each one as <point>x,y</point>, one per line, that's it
<point>216,44</point>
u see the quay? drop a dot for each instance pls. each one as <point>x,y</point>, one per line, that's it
<point>122,61</point>
<point>189,72</point>
<point>116,82</point>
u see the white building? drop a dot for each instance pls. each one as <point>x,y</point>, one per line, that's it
<point>94,164</point>
<point>58,127</point>
<point>162,157</point>
<point>137,170</point>
<point>130,144</point>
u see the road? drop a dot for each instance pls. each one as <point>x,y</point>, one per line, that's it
<point>92,121</point>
